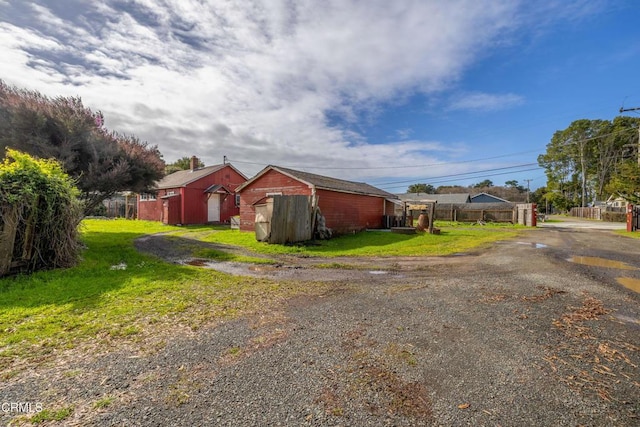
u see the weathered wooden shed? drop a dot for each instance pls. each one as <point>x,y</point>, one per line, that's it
<point>346,206</point>
<point>194,196</point>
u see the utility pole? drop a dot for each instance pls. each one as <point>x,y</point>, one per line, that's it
<point>528,181</point>
<point>622,110</point>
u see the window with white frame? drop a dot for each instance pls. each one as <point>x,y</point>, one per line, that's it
<point>147,197</point>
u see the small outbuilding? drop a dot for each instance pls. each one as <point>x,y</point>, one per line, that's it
<point>194,196</point>
<point>345,205</point>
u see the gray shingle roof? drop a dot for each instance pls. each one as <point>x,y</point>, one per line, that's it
<point>487,198</point>
<point>328,183</point>
<point>439,198</point>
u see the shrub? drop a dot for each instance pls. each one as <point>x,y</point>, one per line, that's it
<point>40,201</point>
<point>614,216</point>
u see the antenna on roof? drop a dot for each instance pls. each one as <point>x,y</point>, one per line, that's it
<point>224,160</point>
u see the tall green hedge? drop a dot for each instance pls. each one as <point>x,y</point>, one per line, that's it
<point>44,200</point>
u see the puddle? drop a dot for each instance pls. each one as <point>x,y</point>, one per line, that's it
<point>601,262</point>
<point>378,272</point>
<point>264,267</point>
<point>630,283</point>
<point>533,245</point>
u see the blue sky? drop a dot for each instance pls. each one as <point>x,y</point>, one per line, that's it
<point>390,93</point>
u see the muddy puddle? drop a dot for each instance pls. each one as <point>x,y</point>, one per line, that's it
<point>288,272</point>
<point>533,245</point>
<point>601,262</point>
<point>630,283</point>
<point>242,269</point>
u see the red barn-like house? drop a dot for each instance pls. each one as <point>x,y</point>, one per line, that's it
<point>194,196</point>
<point>347,206</point>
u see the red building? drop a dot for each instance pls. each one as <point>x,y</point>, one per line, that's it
<point>347,206</point>
<point>194,196</point>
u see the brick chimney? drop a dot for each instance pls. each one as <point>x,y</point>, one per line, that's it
<point>193,163</point>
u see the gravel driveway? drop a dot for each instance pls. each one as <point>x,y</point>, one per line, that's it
<point>529,332</point>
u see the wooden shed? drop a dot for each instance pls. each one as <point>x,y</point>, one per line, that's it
<point>346,206</point>
<point>194,196</point>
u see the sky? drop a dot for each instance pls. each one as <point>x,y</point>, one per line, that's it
<point>391,93</point>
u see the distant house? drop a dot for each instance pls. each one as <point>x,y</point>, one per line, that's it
<point>455,198</point>
<point>616,202</point>
<point>347,206</point>
<point>193,196</point>
<point>487,198</point>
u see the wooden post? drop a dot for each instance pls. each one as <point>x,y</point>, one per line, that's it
<point>432,212</point>
<point>313,201</point>
<point>404,215</point>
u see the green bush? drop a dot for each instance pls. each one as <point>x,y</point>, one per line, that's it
<point>614,216</point>
<point>43,201</point>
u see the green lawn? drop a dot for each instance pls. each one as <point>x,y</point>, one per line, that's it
<point>454,238</point>
<point>116,293</point>
<point>632,234</point>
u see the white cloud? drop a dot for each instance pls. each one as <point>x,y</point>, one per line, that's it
<point>404,134</point>
<point>485,101</point>
<point>255,82</point>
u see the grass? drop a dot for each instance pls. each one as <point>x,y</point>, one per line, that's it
<point>454,238</point>
<point>116,293</point>
<point>104,402</point>
<point>632,234</point>
<point>60,309</point>
<point>49,415</point>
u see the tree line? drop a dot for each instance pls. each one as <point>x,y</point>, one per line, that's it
<point>511,190</point>
<point>588,161</point>
<point>592,160</point>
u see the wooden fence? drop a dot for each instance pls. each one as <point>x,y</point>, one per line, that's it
<point>121,208</point>
<point>474,212</point>
<point>589,213</point>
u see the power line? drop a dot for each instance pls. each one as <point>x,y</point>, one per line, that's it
<point>472,174</point>
<point>443,181</point>
<point>390,167</point>
<point>420,165</point>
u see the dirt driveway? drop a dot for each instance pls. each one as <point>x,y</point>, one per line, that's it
<point>534,331</point>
